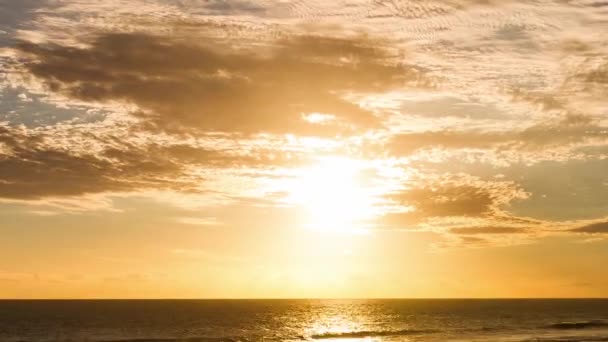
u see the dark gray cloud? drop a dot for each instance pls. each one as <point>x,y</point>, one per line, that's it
<point>571,129</point>
<point>491,230</point>
<point>599,4</point>
<point>196,86</point>
<point>594,228</point>
<point>224,7</point>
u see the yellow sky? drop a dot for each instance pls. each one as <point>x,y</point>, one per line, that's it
<point>272,150</point>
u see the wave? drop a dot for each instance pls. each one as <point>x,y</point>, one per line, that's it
<point>371,333</point>
<point>568,339</point>
<point>190,339</point>
<point>579,325</point>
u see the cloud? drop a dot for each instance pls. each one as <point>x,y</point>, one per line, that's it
<point>223,7</point>
<point>469,212</point>
<point>547,101</point>
<point>490,230</point>
<point>430,8</point>
<point>205,68</point>
<point>593,228</point>
<point>459,200</point>
<point>454,199</point>
<point>408,143</point>
<point>446,106</point>
<point>31,168</point>
<point>36,164</point>
<point>196,86</point>
<point>596,76</point>
<point>569,130</point>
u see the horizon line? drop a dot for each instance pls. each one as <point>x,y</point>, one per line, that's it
<point>302,298</point>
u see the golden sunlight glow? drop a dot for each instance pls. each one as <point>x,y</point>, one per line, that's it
<point>334,195</point>
<point>258,149</point>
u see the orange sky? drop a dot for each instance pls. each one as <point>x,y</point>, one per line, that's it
<point>303,149</point>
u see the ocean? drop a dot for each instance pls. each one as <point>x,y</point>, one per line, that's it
<point>305,320</point>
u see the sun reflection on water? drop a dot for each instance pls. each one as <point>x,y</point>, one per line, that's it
<point>340,325</point>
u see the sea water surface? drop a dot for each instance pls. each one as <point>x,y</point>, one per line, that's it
<point>305,320</point>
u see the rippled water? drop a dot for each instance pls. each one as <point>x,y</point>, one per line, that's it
<point>305,320</point>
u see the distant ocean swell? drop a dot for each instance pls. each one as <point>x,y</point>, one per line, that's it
<point>381,333</point>
<point>593,324</point>
<point>568,339</point>
<point>191,339</point>
<point>329,335</point>
<point>579,325</point>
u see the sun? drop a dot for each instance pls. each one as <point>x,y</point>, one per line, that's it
<point>333,195</point>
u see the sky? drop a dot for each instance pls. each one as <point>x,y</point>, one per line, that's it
<point>303,148</point>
